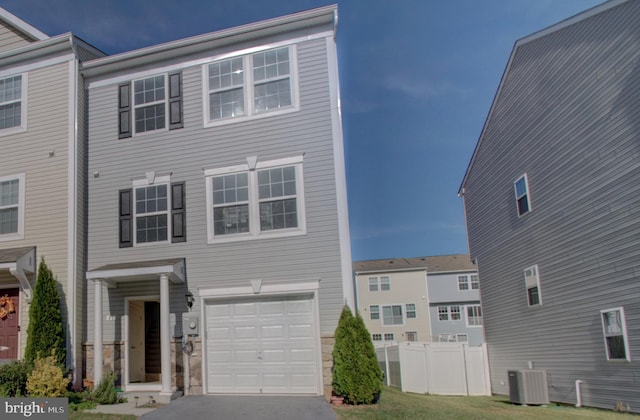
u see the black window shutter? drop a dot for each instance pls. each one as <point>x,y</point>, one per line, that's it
<point>126,218</point>
<point>175,101</point>
<point>178,213</point>
<point>124,111</point>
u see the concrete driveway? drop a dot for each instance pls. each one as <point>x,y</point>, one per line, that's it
<point>227,407</point>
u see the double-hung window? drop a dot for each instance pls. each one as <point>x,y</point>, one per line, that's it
<point>532,284</point>
<point>392,315</point>
<point>614,328</point>
<point>521,189</point>
<point>468,282</point>
<point>388,337</point>
<point>12,207</point>
<point>379,283</point>
<point>443,313</point>
<point>374,311</point>
<point>475,282</point>
<point>150,104</point>
<point>152,212</point>
<point>463,282</point>
<point>455,312</point>
<point>250,85</point>
<point>411,310</point>
<point>263,200</point>
<point>474,316</point>
<point>373,284</point>
<point>12,103</point>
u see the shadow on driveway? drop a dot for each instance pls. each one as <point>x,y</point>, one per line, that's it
<point>227,407</point>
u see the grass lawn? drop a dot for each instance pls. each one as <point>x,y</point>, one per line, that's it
<point>398,405</point>
<point>79,415</point>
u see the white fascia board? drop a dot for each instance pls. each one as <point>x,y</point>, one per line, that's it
<point>23,26</point>
<point>174,271</point>
<point>265,28</point>
<point>38,49</point>
<point>299,286</point>
<point>397,270</point>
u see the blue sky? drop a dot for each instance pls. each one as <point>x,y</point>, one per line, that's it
<point>417,81</point>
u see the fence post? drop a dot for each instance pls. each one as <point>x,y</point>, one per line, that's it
<point>466,373</point>
<point>386,365</point>
<point>427,371</point>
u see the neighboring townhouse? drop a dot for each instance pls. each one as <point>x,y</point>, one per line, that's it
<point>41,177</point>
<point>217,212</point>
<point>419,299</point>
<point>551,198</point>
<point>454,299</point>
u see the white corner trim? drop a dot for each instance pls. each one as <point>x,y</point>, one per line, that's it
<point>340,175</point>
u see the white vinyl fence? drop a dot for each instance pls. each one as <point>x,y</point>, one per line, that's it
<point>436,368</point>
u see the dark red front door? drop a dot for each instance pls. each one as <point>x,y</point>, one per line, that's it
<point>9,326</point>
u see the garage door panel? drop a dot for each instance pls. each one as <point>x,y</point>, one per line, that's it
<point>262,346</point>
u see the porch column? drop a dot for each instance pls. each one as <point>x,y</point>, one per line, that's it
<point>165,334</point>
<point>97,333</point>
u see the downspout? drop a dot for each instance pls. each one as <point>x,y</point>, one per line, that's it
<point>578,394</point>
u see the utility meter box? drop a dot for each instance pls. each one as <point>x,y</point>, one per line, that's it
<point>190,324</point>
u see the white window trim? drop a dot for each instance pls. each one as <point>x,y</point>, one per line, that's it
<point>529,283</point>
<point>384,337</point>
<point>438,313</point>
<point>460,309</point>
<point>134,133</point>
<point>23,107</point>
<point>471,281</point>
<point>458,335</point>
<point>466,315</point>
<point>370,282</point>
<point>370,312</point>
<point>248,88</point>
<point>402,308</point>
<point>254,212</point>
<point>624,334</point>
<point>528,194</point>
<point>378,335</point>
<point>415,311</point>
<point>141,183</point>
<point>21,205</point>
<point>467,281</point>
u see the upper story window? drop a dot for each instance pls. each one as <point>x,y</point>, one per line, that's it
<point>150,104</point>
<point>392,315</point>
<point>614,328</point>
<point>12,207</point>
<point>411,310</point>
<point>245,203</point>
<point>468,281</point>
<point>12,104</point>
<point>521,188</point>
<point>379,283</point>
<point>455,312</point>
<point>532,284</point>
<point>374,311</point>
<point>474,316</point>
<point>250,85</point>
<point>443,313</point>
<point>152,212</point>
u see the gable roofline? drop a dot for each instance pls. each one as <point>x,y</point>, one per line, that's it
<point>198,43</point>
<point>22,26</point>
<point>452,263</point>
<point>529,38</point>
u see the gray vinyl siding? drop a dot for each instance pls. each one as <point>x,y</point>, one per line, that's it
<point>568,115</point>
<point>10,38</point>
<point>474,334</point>
<point>185,153</point>
<point>443,287</point>
<point>46,178</point>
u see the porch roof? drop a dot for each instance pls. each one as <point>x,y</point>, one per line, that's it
<point>13,255</point>
<point>140,270</point>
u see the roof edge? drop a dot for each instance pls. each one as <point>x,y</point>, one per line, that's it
<point>23,26</point>
<point>538,34</point>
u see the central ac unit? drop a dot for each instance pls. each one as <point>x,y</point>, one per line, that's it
<point>528,387</point>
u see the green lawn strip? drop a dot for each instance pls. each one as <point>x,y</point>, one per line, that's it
<point>80,415</point>
<point>398,405</point>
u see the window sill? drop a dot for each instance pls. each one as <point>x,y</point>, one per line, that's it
<point>266,114</point>
<point>11,237</point>
<point>249,237</point>
<point>12,130</point>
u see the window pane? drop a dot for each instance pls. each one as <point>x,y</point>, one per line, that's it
<point>455,313</point>
<point>373,284</point>
<point>231,219</point>
<point>150,118</point>
<point>374,312</point>
<point>385,283</point>
<point>149,90</point>
<point>463,283</point>
<point>521,187</point>
<point>151,228</point>
<point>9,220</point>
<point>534,297</point>
<point>443,313</point>
<point>272,63</point>
<point>475,283</point>
<point>9,192</point>
<point>10,115</point>
<point>280,214</point>
<point>272,95</point>
<point>615,346</point>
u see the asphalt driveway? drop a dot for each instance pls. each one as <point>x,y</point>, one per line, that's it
<point>227,407</point>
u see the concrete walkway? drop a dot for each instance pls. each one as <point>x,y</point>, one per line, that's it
<point>227,407</point>
<point>123,408</point>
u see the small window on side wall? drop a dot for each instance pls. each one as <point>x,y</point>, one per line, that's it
<point>614,328</point>
<point>532,283</point>
<point>523,201</point>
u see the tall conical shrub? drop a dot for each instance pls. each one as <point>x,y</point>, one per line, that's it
<point>356,374</point>
<point>45,333</point>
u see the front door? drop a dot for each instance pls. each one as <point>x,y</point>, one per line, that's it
<point>144,341</point>
<point>9,324</point>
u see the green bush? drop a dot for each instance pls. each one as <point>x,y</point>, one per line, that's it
<point>13,378</point>
<point>105,392</point>
<point>47,378</point>
<point>45,332</point>
<point>356,375</point>
<point>81,400</point>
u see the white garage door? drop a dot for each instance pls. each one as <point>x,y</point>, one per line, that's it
<point>262,346</point>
